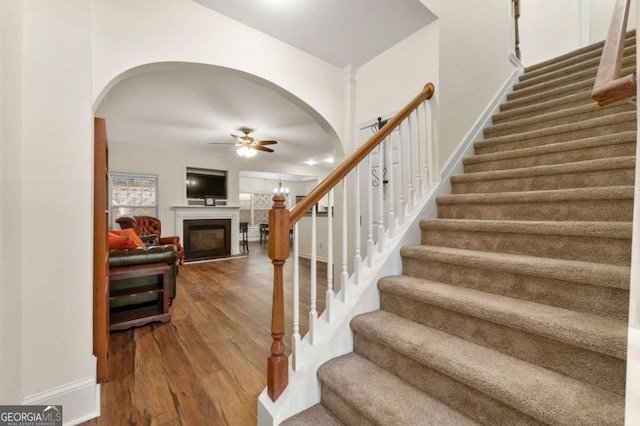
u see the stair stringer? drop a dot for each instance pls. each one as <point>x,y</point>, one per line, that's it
<point>336,339</point>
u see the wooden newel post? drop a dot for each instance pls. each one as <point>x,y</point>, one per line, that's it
<point>278,363</point>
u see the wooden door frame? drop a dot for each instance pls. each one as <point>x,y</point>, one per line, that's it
<point>100,249</point>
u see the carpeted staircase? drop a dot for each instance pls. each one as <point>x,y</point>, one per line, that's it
<point>513,311</point>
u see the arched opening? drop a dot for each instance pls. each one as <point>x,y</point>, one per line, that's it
<point>164,118</point>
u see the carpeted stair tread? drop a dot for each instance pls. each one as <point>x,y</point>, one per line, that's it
<point>580,67</point>
<point>597,274</point>
<point>556,169</point>
<point>509,111</point>
<point>314,416</point>
<point>555,118</point>
<point>560,147</point>
<point>382,397</point>
<point>579,54</point>
<point>578,72</point>
<point>575,228</point>
<point>604,335</point>
<point>581,174</point>
<point>547,396</point>
<point>602,242</point>
<point>544,92</point>
<point>608,203</point>
<point>514,99</point>
<point>573,194</point>
<point>555,134</point>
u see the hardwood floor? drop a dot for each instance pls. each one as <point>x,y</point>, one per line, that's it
<point>208,365</point>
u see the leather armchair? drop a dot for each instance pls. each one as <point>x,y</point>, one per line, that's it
<point>147,225</point>
<point>141,256</point>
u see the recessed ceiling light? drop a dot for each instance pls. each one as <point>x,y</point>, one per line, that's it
<point>310,163</point>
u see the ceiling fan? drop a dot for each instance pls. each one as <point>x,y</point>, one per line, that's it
<point>248,146</point>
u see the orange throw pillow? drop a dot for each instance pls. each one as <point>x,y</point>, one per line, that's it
<point>122,242</point>
<point>132,234</point>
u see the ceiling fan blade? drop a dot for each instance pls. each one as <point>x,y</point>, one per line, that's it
<point>267,142</point>
<point>238,138</point>
<point>262,148</point>
<point>221,143</point>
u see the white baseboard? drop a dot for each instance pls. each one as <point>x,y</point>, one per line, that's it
<point>308,257</point>
<point>80,399</point>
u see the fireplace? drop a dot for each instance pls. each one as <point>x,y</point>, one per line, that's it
<point>206,239</point>
<point>228,212</point>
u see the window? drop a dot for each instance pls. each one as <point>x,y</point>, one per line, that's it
<point>255,206</point>
<point>133,194</point>
<point>262,203</point>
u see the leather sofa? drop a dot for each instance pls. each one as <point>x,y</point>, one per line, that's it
<point>149,225</point>
<point>141,256</point>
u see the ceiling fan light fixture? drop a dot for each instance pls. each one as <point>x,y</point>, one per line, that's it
<point>246,151</point>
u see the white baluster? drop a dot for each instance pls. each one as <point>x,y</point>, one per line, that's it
<point>418,189</point>
<point>313,313</point>
<point>380,224</point>
<point>400,172</point>
<point>411,151</point>
<point>389,165</point>
<point>295,337</point>
<point>330,293</point>
<point>426,145</point>
<point>370,214</point>
<point>357,259</point>
<point>344,282</point>
<point>428,140</point>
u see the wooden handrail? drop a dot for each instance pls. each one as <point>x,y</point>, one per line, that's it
<point>280,221</point>
<point>350,163</point>
<point>609,87</point>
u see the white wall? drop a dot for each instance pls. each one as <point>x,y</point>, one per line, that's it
<point>390,80</point>
<point>130,34</point>
<point>170,166</point>
<point>549,29</point>
<point>465,52</point>
<point>322,237</point>
<point>46,178</point>
<point>10,200</point>
<point>600,12</point>
<point>57,175</point>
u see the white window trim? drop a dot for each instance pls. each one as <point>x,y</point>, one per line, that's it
<point>133,175</point>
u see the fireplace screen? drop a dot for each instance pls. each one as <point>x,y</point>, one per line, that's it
<point>207,238</point>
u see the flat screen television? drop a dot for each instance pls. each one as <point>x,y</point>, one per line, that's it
<point>202,185</point>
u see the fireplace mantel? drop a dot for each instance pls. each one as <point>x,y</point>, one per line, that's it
<point>183,213</point>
